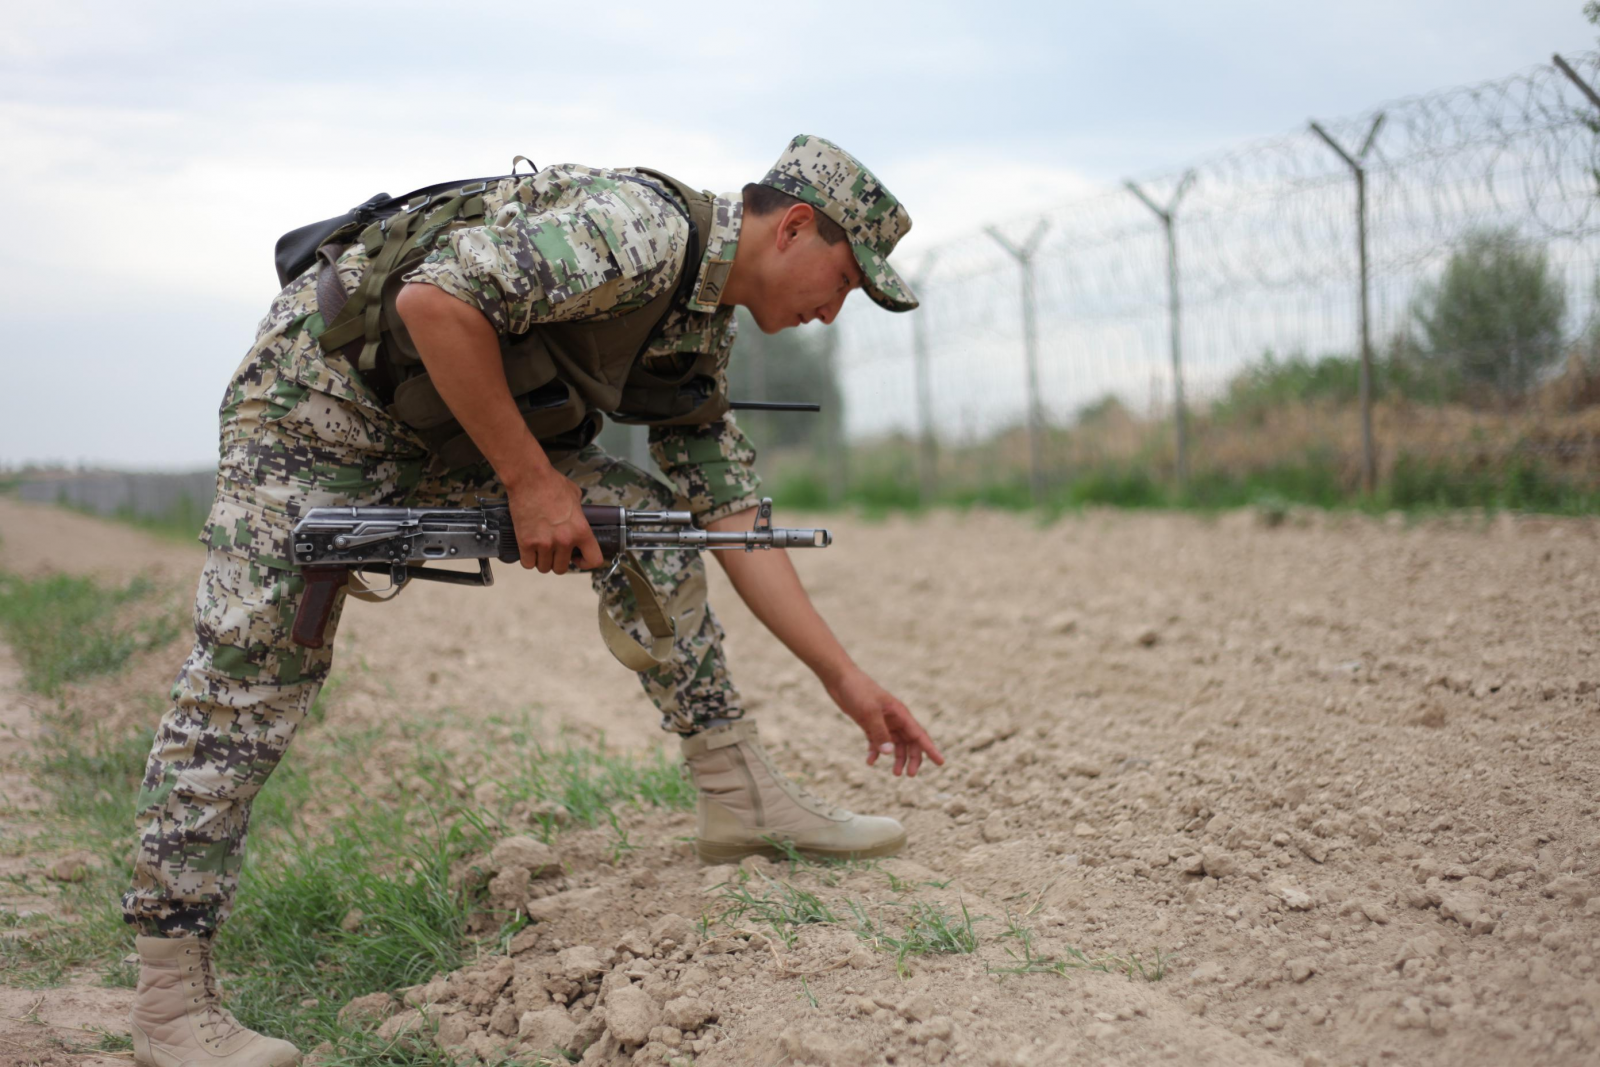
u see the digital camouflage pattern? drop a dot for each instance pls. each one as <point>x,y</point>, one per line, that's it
<point>564,244</point>
<point>300,429</point>
<point>836,183</point>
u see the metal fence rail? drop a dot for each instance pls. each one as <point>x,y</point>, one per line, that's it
<point>1052,346</point>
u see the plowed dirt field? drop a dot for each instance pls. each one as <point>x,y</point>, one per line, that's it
<point>1339,775</point>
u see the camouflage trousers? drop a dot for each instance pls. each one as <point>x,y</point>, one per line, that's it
<point>245,687</point>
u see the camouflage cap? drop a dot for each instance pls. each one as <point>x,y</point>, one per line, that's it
<point>834,182</point>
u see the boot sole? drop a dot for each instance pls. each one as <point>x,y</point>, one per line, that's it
<point>715,852</point>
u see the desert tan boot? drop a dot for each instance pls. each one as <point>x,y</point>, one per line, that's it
<point>178,1019</point>
<point>744,800</point>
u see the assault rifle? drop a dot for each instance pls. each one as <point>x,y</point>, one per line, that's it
<point>329,543</point>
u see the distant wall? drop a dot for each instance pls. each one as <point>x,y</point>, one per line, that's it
<point>148,496</point>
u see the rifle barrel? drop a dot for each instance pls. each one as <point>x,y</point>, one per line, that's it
<point>771,405</point>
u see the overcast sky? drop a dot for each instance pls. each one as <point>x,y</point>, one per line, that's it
<point>155,151</point>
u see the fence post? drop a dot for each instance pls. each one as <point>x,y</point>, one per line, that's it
<point>1572,75</point>
<point>836,457</point>
<point>1030,344</point>
<point>928,455</point>
<point>1357,165</point>
<point>1180,416</point>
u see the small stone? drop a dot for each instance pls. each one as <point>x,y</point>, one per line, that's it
<point>631,1015</point>
<point>994,828</point>
<point>452,1032</point>
<point>1313,849</point>
<point>801,1046</point>
<point>1570,887</point>
<point>554,906</point>
<point>580,963</point>
<point>1293,897</point>
<point>1375,912</point>
<point>712,878</point>
<point>366,1011</point>
<point>404,1030</point>
<point>722,946</point>
<point>538,858</point>
<point>917,1008</point>
<point>1468,909</point>
<point>687,1013</point>
<point>1195,1003</point>
<point>1423,946</point>
<point>1272,1021</point>
<point>509,888</point>
<point>632,943</point>
<point>1301,969</point>
<point>1195,865</point>
<point>547,1029</point>
<point>549,812</point>
<point>676,929</point>
<point>352,920</point>
<point>756,865</point>
<point>1062,624</point>
<point>1083,829</point>
<point>73,868</point>
<point>1217,863</point>
<point>1146,637</point>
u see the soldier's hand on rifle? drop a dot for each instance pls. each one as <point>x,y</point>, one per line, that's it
<point>547,513</point>
<point>888,724</point>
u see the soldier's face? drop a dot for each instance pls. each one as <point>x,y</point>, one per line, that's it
<point>808,278</point>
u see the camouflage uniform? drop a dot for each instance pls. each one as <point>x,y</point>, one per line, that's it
<point>300,429</point>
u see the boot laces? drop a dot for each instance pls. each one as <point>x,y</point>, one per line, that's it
<point>214,1018</point>
<point>830,810</point>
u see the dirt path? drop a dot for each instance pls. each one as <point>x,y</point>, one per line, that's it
<point>1344,772</point>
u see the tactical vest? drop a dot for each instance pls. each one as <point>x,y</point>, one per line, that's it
<point>565,377</point>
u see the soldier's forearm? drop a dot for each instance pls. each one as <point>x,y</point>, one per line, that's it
<point>768,584</point>
<point>462,353</point>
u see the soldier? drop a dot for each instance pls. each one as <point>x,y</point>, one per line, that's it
<point>464,348</point>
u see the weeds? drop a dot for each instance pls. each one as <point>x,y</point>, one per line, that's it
<point>779,905</point>
<point>588,781</point>
<point>65,628</point>
<point>927,928</point>
<point>1029,961</point>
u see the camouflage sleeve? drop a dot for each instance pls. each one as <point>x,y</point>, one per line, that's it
<point>610,251</point>
<point>713,466</point>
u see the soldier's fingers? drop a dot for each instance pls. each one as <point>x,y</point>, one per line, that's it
<point>899,757</point>
<point>561,556</point>
<point>916,762</point>
<point>590,549</point>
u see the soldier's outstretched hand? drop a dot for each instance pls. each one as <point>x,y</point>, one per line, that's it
<point>888,724</point>
<point>547,513</point>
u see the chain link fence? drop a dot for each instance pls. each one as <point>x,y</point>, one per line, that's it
<point>1398,307</point>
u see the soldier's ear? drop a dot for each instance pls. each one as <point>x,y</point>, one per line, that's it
<point>795,222</point>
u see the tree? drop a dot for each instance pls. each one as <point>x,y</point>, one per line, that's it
<point>1491,324</point>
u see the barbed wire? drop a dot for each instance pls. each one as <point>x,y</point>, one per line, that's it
<point>1266,234</point>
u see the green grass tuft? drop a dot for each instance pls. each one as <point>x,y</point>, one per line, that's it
<point>65,628</point>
